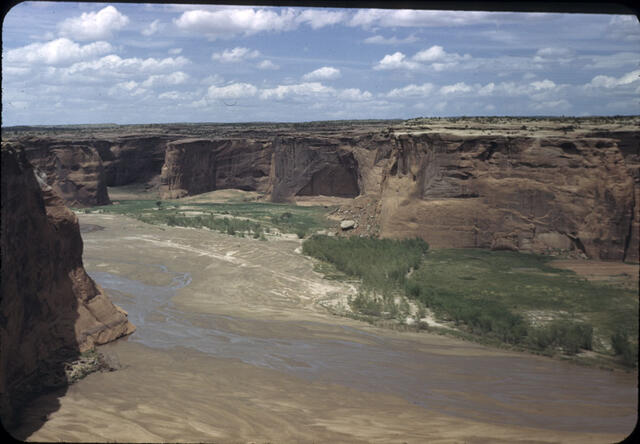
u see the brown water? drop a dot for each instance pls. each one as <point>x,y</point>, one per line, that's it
<point>233,346</point>
<point>508,389</point>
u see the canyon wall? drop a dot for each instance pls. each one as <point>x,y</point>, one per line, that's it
<point>194,166</point>
<point>49,306</point>
<point>544,187</point>
<point>73,169</point>
<point>530,194</point>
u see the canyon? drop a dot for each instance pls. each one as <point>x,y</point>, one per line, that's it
<point>51,311</point>
<point>568,186</point>
<point>232,335</point>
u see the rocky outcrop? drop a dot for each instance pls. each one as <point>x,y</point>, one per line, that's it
<point>49,306</point>
<point>73,169</point>
<point>307,166</point>
<point>540,185</point>
<point>194,166</point>
<point>531,194</point>
<point>132,158</point>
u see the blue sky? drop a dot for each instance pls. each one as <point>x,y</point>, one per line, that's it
<point>152,63</point>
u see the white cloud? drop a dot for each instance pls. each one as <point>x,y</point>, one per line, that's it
<point>152,28</point>
<point>544,84</point>
<point>354,95</point>
<point>94,25</point>
<point>175,51</point>
<point>226,23</point>
<point>175,78</point>
<point>368,18</point>
<point>553,55</point>
<point>317,18</point>
<point>609,82</point>
<point>396,60</point>
<point>235,55</point>
<point>624,27</point>
<point>612,61</point>
<point>213,79</point>
<point>130,88</point>
<point>380,40</point>
<point>113,64</point>
<point>232,91</point>
<point>268,64</point>
<point>435,58</point>
<point>411,91</point>
<point>324,73</point>
<point>57,52</point>
<point>315,89</point>
<point>459,87</point>
<point>176,95</point>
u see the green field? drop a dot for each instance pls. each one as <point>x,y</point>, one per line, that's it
<point>235,218</point>
<point>499,297</point>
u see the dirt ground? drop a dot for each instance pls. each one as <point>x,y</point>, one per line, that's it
<point>617,273</point>
<point>233,345</point>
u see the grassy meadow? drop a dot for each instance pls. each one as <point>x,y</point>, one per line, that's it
<point>497,297</point>
<point>255,219</point>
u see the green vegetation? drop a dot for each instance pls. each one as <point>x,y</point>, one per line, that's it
<point>500,297</point>
<point>233,218</point>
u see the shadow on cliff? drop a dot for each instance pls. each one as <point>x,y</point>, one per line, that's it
<point>39,304</point>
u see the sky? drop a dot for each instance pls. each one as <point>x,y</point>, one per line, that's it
<point>72,63</point>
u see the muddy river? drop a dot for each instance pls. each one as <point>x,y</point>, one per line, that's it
<point>233,345</point>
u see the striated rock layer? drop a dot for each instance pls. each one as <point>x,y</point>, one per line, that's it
<point>73,169</point>
<point>540,185</point>
<point>49,306</point>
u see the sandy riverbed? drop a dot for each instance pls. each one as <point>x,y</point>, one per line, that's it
<point>233,346</point>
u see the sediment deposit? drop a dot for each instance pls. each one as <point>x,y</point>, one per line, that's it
<point>539,185</point>
<point>49,307</point>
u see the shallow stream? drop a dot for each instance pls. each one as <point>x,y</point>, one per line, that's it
<point>500,388</point>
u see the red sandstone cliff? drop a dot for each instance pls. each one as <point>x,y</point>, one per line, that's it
<point>49,306</point>
<point>486,183</point>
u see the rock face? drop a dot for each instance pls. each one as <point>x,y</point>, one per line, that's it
<point>531,194</point>
<point>194,166</point>
<point>73,169</point>
<point>311,166</point>
<point>490,183</point>
<point>131,159</point>
<point>49,306</point>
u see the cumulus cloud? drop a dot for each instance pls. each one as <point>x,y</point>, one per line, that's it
<point>411,91</point>
<point>609,82</point>
<point>57,52</point>
<point>459,87</point>
<point>235,55</point>
<point>225,23</point>
<point>553,55</point>
<point>318,18</point>
<point>354,95</point>
<point>544,84</point>
<point>300,89</point>
<point>232,91</point>
<point>367,18</point>
<point>151,28</point>
<point>396,60</point>
<point>624,27</point>
<point>268,64</point>
<point>113,64</point>
<point>175,78</point>
<point>94,25</point>
<point>380,40</point>
<point>435,58</point>
<point>324,73</point>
